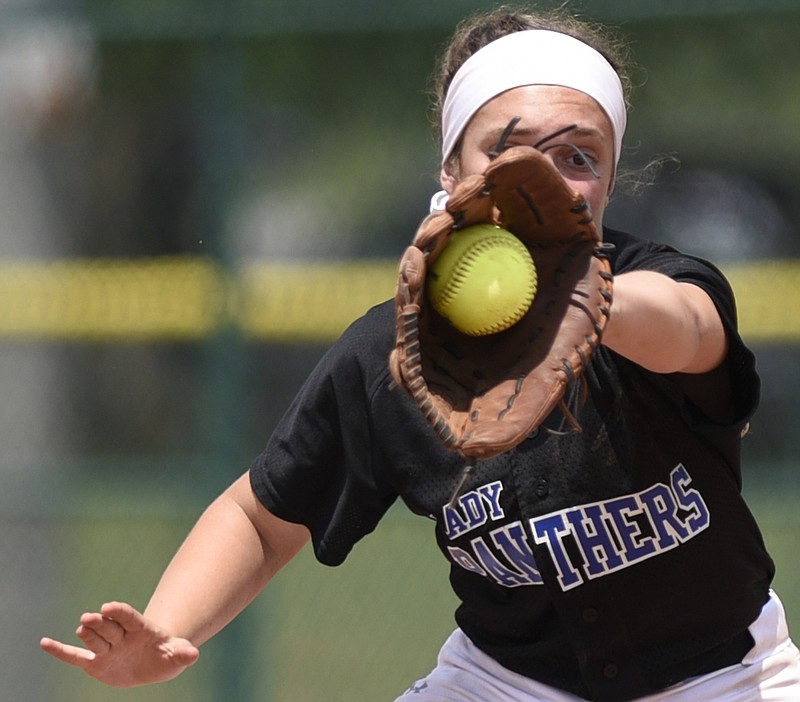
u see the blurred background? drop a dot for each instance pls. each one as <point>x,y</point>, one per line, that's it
<point>196,198</point>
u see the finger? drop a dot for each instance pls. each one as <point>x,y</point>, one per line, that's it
<point>92,641</point>
<point>123,614</point>
<point>107,629</point>
<point>73,655</point>
<point>182,653</point>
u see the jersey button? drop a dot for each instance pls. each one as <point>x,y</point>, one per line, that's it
<point>542,488</point>
<point>611,670</point>
<point>590,615</point>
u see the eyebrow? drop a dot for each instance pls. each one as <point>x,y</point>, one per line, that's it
<point>532,133</point>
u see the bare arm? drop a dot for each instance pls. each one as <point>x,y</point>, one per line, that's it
<point>665,326</point>
<point>227,559</point>
<point>229,556</point>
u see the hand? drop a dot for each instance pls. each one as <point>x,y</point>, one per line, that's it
<point>124,649</point>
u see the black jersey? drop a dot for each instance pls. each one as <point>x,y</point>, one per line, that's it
<point>612,562</point>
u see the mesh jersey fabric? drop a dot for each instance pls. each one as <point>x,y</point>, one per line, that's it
<point>610,563</point>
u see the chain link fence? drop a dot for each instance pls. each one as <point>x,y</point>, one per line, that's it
<point>194,206</point>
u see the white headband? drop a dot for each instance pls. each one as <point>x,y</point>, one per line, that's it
<point>531,57</point>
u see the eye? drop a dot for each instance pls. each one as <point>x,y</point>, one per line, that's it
<point>572,159</point>
<point>502,144</point>
<point>579,159</point>
<point>498,149</point>
<point>583,161</point>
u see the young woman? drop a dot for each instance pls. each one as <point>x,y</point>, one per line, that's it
<point>619,563</point>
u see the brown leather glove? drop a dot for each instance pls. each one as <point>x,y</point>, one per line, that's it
<point>483,395</point>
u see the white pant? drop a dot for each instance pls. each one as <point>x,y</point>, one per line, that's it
<point>770,672</point>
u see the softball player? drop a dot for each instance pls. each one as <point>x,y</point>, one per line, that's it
<point>619,563</point>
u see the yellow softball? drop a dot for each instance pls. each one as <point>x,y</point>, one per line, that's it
<point>484,280</point>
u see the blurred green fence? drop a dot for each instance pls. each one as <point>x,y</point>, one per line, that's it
<point>196,200</point>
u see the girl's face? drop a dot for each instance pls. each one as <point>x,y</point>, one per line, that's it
<point>544,110</point>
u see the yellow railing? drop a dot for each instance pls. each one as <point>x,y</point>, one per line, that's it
<point>191,298</point>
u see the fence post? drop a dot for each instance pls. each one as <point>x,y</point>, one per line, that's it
<point>219,73</point>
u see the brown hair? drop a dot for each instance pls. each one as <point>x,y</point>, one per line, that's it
<point>482,28</point>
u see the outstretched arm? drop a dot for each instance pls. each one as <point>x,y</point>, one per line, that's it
<point>229,556</point>
<point>665,326</point>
